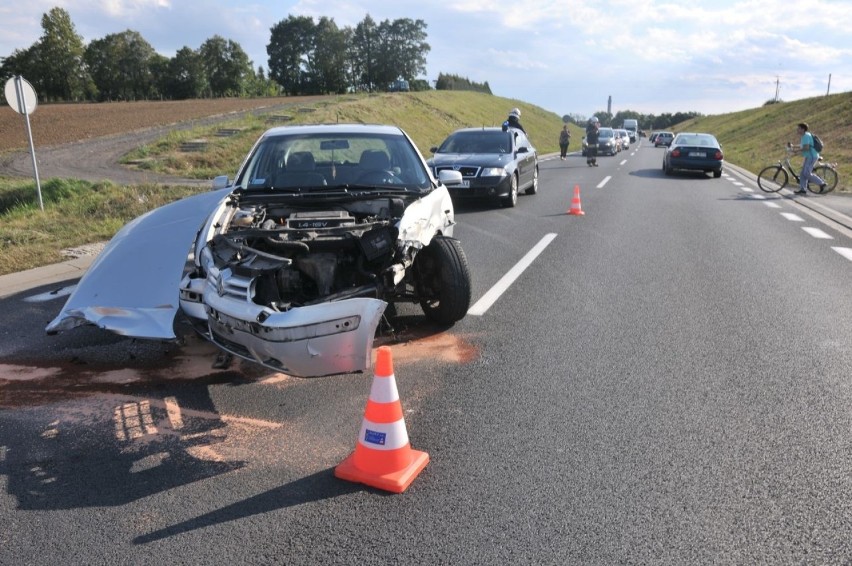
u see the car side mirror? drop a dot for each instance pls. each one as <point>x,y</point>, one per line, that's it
<point>448,177</point>
<point>523,149</point>
<point>220,182</point>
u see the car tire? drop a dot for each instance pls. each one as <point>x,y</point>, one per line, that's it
<point>717,174</point>
<point>442,277</point>
<point>512,199</point>
<point>666,170</point>
<point>533,189</point>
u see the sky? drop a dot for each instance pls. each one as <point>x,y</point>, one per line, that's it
<point>566,56</point>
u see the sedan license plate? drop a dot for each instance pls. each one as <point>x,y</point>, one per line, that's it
<point>697,154</point>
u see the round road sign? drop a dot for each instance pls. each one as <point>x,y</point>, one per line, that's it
<point>21,98</point>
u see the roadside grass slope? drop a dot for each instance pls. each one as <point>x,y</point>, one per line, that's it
<point>755,138</point>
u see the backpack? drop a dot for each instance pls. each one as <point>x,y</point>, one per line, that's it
<point>817,143</point>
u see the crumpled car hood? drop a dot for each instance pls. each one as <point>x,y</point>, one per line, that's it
<point>132,288</point>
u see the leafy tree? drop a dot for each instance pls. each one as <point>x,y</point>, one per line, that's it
<point>403,50</point>
<point>120,64</point>
<point>226,65</point>
<point>289,44</point>
<point>326,58</point>
<point>364,54</point>
<point>186,77</point>
<point>58,71</point>
<point>455,82</point>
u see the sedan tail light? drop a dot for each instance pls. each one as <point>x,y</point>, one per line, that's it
<point>675,152</point>
<point>718,155</point>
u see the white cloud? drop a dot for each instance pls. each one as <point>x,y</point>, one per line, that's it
<point>563,56</point>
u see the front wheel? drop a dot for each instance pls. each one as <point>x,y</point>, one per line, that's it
<point>512,199</point>
<point>772,179</point>
<point>443,280</point>
<point>533,189</point>
<point>828,175</point>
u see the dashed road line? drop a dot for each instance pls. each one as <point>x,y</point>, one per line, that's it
<point>482,305</point>
<point>604,182</point>
<point>792,217</point>
<point>845,252</point>
<point>817,233</point>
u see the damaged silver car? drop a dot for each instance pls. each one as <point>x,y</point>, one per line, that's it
<point>295,260</point>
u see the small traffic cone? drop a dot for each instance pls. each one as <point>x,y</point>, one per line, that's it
<point>576,208</point>
<point>383,457</point>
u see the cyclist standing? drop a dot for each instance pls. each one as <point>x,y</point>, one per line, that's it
<point>806,148</point>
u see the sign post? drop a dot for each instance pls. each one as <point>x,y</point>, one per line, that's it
<point>22,98</point>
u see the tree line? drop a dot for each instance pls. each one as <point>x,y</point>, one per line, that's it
<point>305,57</point>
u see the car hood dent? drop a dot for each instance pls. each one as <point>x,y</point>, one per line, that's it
<point>132,287</point>
<point>426,217</point>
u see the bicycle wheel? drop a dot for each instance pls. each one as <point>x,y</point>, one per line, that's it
<point>828,175</point>
<point>772,179</point>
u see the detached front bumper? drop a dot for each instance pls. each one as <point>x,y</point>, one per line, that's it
<point>324,339</point>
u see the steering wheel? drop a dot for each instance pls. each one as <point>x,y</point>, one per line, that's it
<point>379,177</point>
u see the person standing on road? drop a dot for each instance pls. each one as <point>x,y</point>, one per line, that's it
<point>514,120</point>
<point>810,155</point>
<point>564,140</point>
<point>592,132</point>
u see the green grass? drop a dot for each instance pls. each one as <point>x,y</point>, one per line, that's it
<point>75,213</point>
<point>78,212</point>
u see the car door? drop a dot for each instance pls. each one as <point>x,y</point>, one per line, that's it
<point>525,158</point>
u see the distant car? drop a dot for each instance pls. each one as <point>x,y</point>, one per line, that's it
<point>494,164</point>
<point>295,259</point>
<point>607,142</point>
<point>663,139</point>
<point>625,138</point>
<point>694,152</point>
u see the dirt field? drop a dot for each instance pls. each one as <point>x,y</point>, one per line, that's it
<point>54,124</point>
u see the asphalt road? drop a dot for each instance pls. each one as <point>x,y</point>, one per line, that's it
<point>667,382</point>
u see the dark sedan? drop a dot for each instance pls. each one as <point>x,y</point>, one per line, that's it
<point>494,164</point>
<point>694,152</point>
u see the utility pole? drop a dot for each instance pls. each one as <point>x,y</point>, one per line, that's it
<point>777,87</point>
<point>828,89</point>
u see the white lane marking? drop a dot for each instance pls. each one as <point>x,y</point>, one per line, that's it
<point>771,204</point>
<point>747,189</point>
<point>817,233</point>
<point>623,162</point>
<point>845,252</point>
<point>758,197</point>
<point>494,293</point>
<point>604,182</point>
<point>737,184</point>
<point>792,217</point>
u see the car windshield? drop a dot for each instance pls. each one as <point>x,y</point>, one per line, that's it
<point>484,141</point>
<point>605,133</point>
<point>324,161</point>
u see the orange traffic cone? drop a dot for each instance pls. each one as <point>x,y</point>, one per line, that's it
<point>576,208</point>
<point>383,457</point>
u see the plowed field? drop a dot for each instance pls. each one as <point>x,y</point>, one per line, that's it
<point>54,124</point>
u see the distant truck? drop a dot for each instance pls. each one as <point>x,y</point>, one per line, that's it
<point>632,127</point>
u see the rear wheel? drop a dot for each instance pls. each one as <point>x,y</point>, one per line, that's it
<point>772,179</point>
<point>443,280</point>
<point>828,175</point>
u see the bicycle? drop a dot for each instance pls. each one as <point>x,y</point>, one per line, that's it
<point>775,177</point>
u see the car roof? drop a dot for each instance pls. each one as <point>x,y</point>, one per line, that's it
<point>333,129</point>
<point>482,129</point>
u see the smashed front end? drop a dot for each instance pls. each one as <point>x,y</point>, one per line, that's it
<point>300,287</point>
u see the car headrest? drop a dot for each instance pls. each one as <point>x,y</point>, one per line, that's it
<point>301,161</point>
<point>374,159</point>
